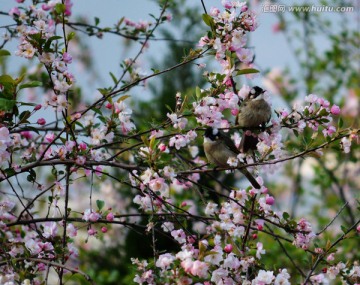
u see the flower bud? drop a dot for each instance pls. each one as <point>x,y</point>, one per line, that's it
<point>110,217</point>
<point>37,107</point>
<point>270,200</point>
<point>41,121</point>
<point>335,110</point>
<point>228,248</point>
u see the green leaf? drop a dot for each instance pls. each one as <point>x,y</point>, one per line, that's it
<point>6,79</point>
<point>113,77</point>
<point>60,8</point>
<point>4,52</point>
<point>103,91</point>
<point>30,84</point>
<point>6,104</point>
<point>122,98</point>
<point>341,123</point>
<point>198,92</point>
<point>49,41</point>
<point>100,204</point>
<point>97,21</point>
<point>70,36</point>
<point>247,71</point>
<point>286,216</point>
<point>344,229</point>
<point>208,20</point>
<point>24,116</point>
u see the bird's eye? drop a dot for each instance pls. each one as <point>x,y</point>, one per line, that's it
<point>217,137</point>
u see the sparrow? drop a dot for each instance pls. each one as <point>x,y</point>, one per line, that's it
<point>253,112</point>
<point>218,148</point>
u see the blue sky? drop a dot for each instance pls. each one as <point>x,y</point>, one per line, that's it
<point>271,49</point>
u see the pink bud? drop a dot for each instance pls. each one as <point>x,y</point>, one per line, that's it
<point>45,7</point>
<point>260,227</point>
<point>92,232</point>
<point>190,239</point>
<point>254,236</point>
<point>26,134</point>
<point>109,105</point>
<point>104,229</point>
<point>76,116</point>
<point>244,8</point>
<point>162,147</point>
<point>358,229</point>
<point>110,217</point>
<point>265,190</point>
<point>82,146</point>
<point>319,250</point>
<point>228,248</point>
<point>183,204</point>
<point>234,112</point>
<point>37,107</point>
<point>41,121</point>
<point>330,257</point>
<point>335,110</point>
<point>270,200</point>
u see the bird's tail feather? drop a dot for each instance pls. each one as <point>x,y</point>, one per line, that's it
<point>248,142</point>
<point>251,178</point>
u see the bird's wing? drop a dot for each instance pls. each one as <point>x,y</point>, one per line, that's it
<point>229,143</point>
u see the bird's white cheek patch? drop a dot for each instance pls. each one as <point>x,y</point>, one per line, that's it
<point>207,140</point>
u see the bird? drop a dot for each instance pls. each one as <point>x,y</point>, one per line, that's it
<point>218,148</point>
<point>254,111</point>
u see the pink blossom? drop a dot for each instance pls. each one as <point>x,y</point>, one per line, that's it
<point>49,137</point>
<point>14,11</point>
<point>71,230</point>
<point>90,215</point>
<point>80,160</point>
<point>270,200</point>
<point>329,131</point>
<point>110,217</point>
<point>82,146</point>
<point>335,110</point>
<point>104,229</point>
<point>92,232</point>
<point>214,11</point>
<point>244,8</point>
<point>199,268</point>
<point>259,250</point>
<point>158,185</point>
<point>165,260</point>
<point>66,57</point>
<point>68,6</point>
<point>163,148</point>
<point>179,236</point>
<point>50,229</point>
<point>346,144</point>
<point>26,134</point>
<point>330,257</point>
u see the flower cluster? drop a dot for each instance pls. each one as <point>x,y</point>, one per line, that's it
<point>228,37</point>
<point>220,258</point>
<point>317,113</point>
<point>36,29</point>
